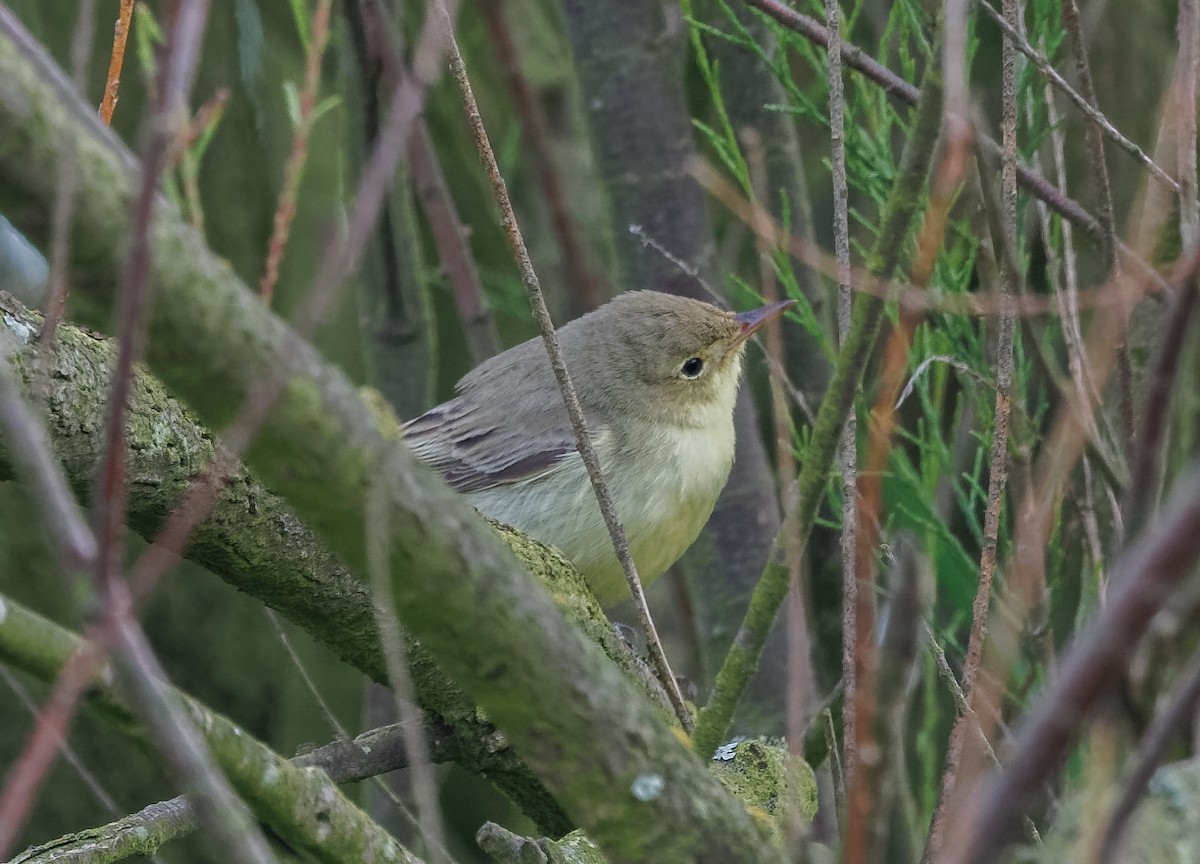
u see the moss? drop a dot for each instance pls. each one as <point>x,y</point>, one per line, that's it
<point>775,785</point>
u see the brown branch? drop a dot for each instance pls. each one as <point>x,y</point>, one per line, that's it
<point>1167,725</point>
<point>1026,579</point>
<point>1115,293</point>
<point>1150,572</point>
<point>581,284</point>
<point>64,196</point>
<point>113,82</point>
<point>848,449</point>
<point>1149,451</point>
<point>293,169</point>
<point>1088,108</point>
<point>433,193</point>
<point>895,86</point>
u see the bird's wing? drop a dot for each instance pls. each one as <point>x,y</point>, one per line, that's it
<point>475,449</point>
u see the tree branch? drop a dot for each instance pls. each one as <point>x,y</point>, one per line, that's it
<point>458,590</point>
<point>300,804</point>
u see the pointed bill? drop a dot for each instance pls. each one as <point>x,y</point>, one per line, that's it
<point>755,318</point>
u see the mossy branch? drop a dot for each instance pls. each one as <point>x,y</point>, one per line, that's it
<point>576,720</point>
<point>742,659</point>
<point>301,805</point>
<point>253,540</point>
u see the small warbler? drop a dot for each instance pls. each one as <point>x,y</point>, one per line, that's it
<point>657,376</point>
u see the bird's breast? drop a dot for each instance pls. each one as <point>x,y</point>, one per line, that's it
<point>664,482</point>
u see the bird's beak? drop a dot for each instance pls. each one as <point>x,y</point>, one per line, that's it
<point>755,318</point>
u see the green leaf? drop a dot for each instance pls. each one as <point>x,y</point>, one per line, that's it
<point>291,97</point>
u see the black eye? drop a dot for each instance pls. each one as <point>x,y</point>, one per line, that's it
<point>692,367</point>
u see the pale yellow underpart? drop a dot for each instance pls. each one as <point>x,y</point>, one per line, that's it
<point>663,491</point>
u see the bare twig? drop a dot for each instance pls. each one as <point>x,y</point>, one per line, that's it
<point>801,689</point>
<point>293,169</point>
<point>582,287</point>
<point>578,423</point>
<point>1108,245</point>
<point>64,195</point>
<point>862,783</point>
<point>1062,272</point>
<point>895,86</point>
<point>1004,240</point>
<point>848,449</point>
<point>433,193</point>
<point>230,823</point>
<point>113,83</point>
<point>72,758</point>
<point>1188,67</point>
<point>1167,725</point>
<point>429,821</point>
<point>29,445</point>
<point>1148,451</point>
<point>1150,572</point>
<point>1088,108</point>
<point>228,820</point>
<point>1113,294</point>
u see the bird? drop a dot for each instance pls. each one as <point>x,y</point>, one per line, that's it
<point>657,376</point>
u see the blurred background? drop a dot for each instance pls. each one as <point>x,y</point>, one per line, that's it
<point>595,112</point>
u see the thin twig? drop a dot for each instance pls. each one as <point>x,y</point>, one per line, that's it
<point>72,758</point>
<point>863,784</point>
<point>64,194</point>
<point>1005,240</point>
<point>293,170</point>
<point>1112,294</point>
<point>1150,571</point>
<point>1088,108</point>
<point>29,447</point>
<point>895,86</point>
<point>1065,285</point>
<point>1093,134</point>
<point>1167,726</point>
<point>848,449</point>
<point>1149,451</point>
<point>113,82</point>
<point>582,287</point>
<point>424,787</point>
<point>1188,68</point>
<point>801,685</point>
<point>229,822</point>
<point>578,423</point>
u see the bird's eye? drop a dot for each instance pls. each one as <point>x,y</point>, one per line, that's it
<point>692,367</point>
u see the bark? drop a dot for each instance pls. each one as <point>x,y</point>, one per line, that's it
<point>300,804</point>
<point>587,732</point>
<point>254,541</point>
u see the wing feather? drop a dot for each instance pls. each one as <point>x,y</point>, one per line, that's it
<point>475,450</point>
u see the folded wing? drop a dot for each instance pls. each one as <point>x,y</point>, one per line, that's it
<point>475,450</point>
